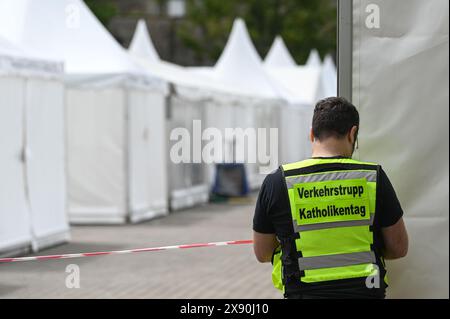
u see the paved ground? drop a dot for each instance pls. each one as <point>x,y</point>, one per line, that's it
<point>219,272</point>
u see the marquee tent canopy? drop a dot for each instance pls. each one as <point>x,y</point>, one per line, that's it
<point>142,45</point>
<point>314,59</point>
<point>192,84</point>
<point>71,33</point>
<point>240,65</point>
<point>279,55</point>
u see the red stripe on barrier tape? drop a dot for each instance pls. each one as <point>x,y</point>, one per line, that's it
<point>129,251</point>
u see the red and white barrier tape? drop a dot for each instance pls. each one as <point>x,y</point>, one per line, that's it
<point>128,251</point>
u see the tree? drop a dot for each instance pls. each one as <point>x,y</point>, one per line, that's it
<point>303,24</point>
<point>105,10</point>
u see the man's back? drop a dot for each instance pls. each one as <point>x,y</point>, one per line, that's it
<point>273,215</point>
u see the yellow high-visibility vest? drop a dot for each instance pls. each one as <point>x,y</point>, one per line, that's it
<point>333,205</point>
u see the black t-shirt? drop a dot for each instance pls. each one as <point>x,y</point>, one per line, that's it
<point>273,216</point>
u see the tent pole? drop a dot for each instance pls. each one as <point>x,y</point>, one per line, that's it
<point>345,48</point>
<point>127,154</point>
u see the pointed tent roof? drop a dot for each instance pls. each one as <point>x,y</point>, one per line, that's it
<point>279,54</point>
<point>141,44</point>
<point>65,30</point>
<point>314,59</point>
<point>144,54</point>
<point>241,66</point>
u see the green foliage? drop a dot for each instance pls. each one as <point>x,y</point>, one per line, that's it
<point>105,10</point>
<point>303,24</point>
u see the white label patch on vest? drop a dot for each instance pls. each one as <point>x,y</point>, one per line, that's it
<point>331,201</point>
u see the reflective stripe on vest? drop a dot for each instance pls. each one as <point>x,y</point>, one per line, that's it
<point>331,261</point>
<point>302,228</point>
<point>370,176</point>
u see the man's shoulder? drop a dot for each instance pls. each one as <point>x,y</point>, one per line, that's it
<point>274,176</point>
<point>273,183</point>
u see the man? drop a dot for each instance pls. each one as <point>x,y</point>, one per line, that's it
<point>327,223</point>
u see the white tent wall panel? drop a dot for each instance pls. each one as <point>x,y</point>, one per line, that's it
<point>15,224</point>
<point>220,116</point>
<point>45,161</point>
<point>96,162</point>
<point>188,182</point>
<point>245,116</point>
<point>176,170</point>
<point>147,155</point>
<point>197,171</point>
<point>403,99</point>
<point>268,117</point>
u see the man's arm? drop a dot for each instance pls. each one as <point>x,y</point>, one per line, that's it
<point>395,240</point>
<point>264,246</point>
<point>391,223</point>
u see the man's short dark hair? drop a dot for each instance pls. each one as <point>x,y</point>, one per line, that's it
<point>334,117</point>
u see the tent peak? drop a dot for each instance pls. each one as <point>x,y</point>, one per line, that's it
<point>279,55</point>
<point>240,64</point>
<point>239,47</point>
<point>141,44</point>
<point>328,60</point>
<point>314,59</point>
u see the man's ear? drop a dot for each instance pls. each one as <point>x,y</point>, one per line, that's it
<point>311,136</point>
<point>353,134</point>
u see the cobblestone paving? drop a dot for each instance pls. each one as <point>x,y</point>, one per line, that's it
<point>218,272</point>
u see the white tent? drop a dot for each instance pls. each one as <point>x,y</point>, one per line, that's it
<point>278,55</point>
<point>328,74</point>
<point>328,77</point>
<point>240,65</point>
<point>302,86</point>
<point>188,182</point>
<point>141,44</point>
<point>32,191</point>
<point>240,68</point>
<point>314,59</point>
<point>115,113</point>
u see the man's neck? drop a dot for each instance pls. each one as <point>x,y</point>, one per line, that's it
<point>330,149</point>
<point>328,155</point>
